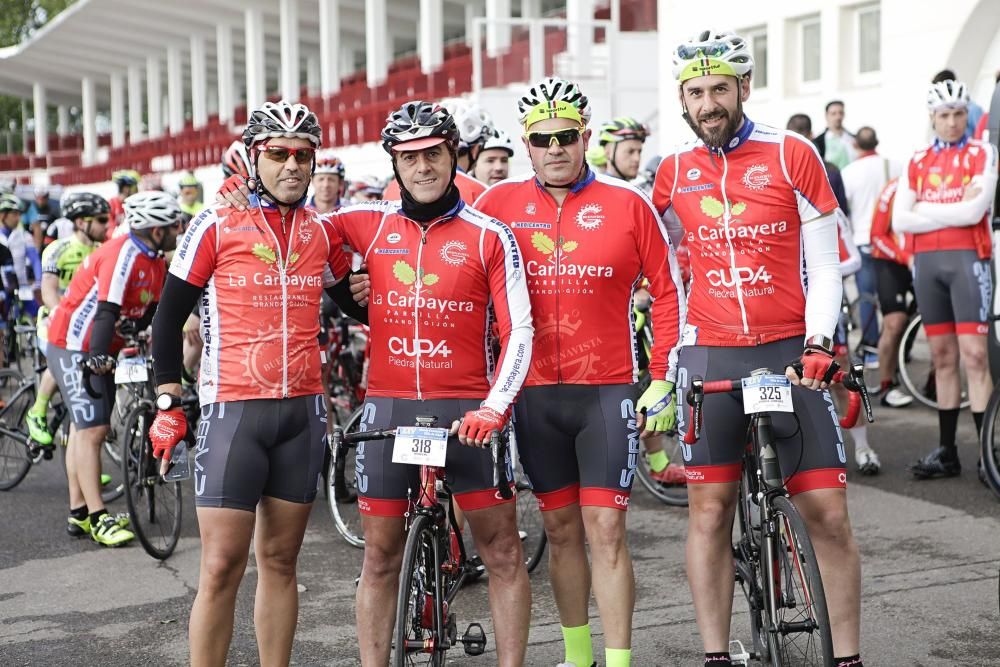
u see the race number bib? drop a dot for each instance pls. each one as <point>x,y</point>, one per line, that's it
<point>131,370</point>
<point>420,445</point>
<point>767,393</point>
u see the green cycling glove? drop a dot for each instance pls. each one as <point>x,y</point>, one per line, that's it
<point>659,405</point>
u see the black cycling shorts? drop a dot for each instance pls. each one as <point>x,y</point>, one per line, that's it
<point>266,447</point>
<point>954,292</point>
<point>383,485</point>
<point>578,443</point>
<point>85,411</point>
<point>894,281</point>
<point>810,448</point>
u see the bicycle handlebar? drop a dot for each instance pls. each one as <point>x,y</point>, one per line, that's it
<point>852,380</point>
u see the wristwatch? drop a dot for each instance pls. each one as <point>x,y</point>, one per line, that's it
<point>822,342</point>
<point>166,401</point>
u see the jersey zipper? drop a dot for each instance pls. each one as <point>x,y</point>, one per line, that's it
<point>284,294</point>
<point>559,208</point>
<point>419,284</point>
<point>726,216</point>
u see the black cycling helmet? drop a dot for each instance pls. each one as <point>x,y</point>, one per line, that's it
<point>84,205</point>
<point>417,125</point>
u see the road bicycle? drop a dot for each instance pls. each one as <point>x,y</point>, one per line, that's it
<point>435,564</point>
<point>775,562</point>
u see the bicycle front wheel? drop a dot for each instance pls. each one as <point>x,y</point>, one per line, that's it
<point>800,631</point>
<point>418,635</point>
<point>153,504</point>
<point>343,505</point>
<point>15,459</point>
<point>989,442</point>
<point>530,527</point>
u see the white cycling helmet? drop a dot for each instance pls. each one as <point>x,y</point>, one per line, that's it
<point>712,52</point>
<point>499,139</point>
<point>474,124</point>
<point>282,119</point>
<point>947,94</point>
<point>152,208</point>
<point>553,89</point>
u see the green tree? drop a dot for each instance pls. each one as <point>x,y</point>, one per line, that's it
<point>19,19</point>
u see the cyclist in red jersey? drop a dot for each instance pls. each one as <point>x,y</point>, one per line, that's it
<point>944,200</point>
<point>756,210</point>
<point>328,183</point>
<point>127,181</point>
<point>588,239</point>
<point>122,278</point>
<point>261,441</point>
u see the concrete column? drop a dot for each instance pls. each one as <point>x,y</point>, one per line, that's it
<point>330,65</point>
<point>175,89</point>
<point>348,62</point>
<point>25,115</point>
<point>471,12</point>
<point>497,35</point>
<point>376,41</point>
<point>117,110</point>
<point>580,40</point>
<point>199,85</point>
<point>289,29</point>
<point>224,69</point>
<point>135,133</point>
<point>89,109</point>
<point>41,120</point>
<point>531,9</point>
<point>312,76</point>
<point>62,127</point>
<point>154,95</point>
<point>666,94</point>
<point>253,24</point>
<point>431,35</point>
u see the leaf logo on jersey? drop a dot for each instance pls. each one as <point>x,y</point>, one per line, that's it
<point>559,265</point>
<point>544,244</point>
<point>407,275</point>
<point>265,253</point>
<point>715,209</point>
<point>145,296</point>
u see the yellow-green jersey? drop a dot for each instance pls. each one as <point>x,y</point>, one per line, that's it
<point>64,257</point>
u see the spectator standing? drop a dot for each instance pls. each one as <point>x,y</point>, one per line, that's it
<point>835,144</point>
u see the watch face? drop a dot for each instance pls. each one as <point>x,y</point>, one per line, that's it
<point>164,401</point>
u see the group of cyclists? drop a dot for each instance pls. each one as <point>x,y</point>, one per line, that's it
<point>496,302</point>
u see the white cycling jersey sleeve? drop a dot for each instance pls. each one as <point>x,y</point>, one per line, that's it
<point>825,287</point>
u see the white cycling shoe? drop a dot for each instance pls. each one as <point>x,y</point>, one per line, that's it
<point>867,461</point>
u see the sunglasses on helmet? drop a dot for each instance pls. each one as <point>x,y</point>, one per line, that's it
<point>710,50</point>
<point>544,139</point>
<point>281,154</point>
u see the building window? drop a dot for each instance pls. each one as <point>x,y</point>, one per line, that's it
<point>757,39</point>
<point>809,40</point>
<point>869,31</point>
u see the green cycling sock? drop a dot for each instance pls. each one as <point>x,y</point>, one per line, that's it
<point>617,657</point>
<point>658,461</point>
<point>579,650</point>
<point>41,405</point>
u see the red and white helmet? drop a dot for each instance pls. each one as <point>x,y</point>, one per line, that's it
<point>328,163</point>
<point>235,160</point>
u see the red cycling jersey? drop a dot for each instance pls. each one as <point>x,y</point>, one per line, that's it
<point>117,213</point>
<point>740,211</point>
<point>469,188</point>
<point>887,244</point>
<point>584,260</point>
<point>263,275</point>
<point>123,271</point>
<point>940,174</point>
<point>434,291</point>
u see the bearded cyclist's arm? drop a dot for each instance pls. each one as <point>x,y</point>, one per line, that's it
<point>509,292</point>
<point>969,211</point>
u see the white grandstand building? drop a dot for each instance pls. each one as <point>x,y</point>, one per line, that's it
<point>163,87</point>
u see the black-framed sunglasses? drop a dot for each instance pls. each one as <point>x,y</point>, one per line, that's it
<point>544,139</point>
<point>103,219</point>
<point>281,154</point>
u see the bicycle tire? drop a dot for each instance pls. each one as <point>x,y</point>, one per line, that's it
<point>151,501</point>
<point>413,594</point>
<point>674,495</point>
<point>529,523</point>
<point>15,459</point>
<point>915,365</point>
<point>988,442</point>
<point>111,464</point>
<point>345,515</point>
<point>796,564</point>
<point>747,564</point>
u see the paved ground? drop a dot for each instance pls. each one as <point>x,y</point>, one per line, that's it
<point>929,555</point>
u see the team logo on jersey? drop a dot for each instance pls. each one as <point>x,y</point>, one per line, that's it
<point>544,244</point>
<point>305,231</point>
<point>407,275</point>
<point>530,208</point>
<point>589,216</point>
<point>145,296</point>
<point>756,177</point>
<point>393,238</point>
<point>265,253</point>
<point>559,264</point>
<point>693,174</point>
<point>454,253</point>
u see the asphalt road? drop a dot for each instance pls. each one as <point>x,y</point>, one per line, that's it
<point>929,553</point>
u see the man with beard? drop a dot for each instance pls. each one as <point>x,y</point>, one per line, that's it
<point>753,202</point>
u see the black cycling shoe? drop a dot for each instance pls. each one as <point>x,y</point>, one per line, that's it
<point>936,464</point>
<point>474,568</point>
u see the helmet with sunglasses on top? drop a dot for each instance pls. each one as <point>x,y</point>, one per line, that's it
<point>712,52</point>
<point>78,205</point>
<point>417,125</point>
<point>145,210</point>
